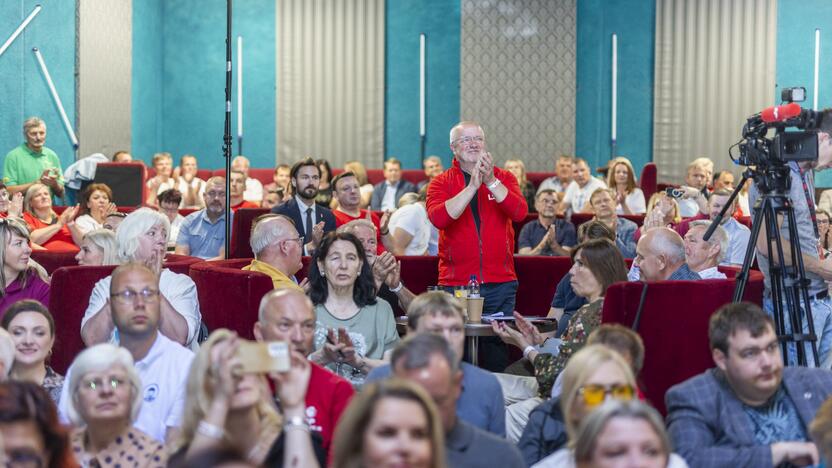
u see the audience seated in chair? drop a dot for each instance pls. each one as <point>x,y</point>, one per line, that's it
<point>480,402</point>
<point>11,206</point>
<point>94,204</point>
<point>113,220</point>
<point>749,410</point>
<point>527,188</point>
<point>288,315</point>
<point>203,232</point>
<point>191,187</point>
<point>603,205</point>
<point>98,248</point>
<point>169,202</point>
<point>432,165</point>
<point>277,250</point>
<point>559,182</point>
<point>621,179</point>
<point>238,186</point>
<point>141,239</point>
<point>355,332</point>
<point>548,234</point>
<point>136,312</point>
<point>163,180</point>
<point>104,399</point>
<point>703,257</point>
<point>430,361</point>
<point>279,191</point>
<point>576,196</point>
<point>253,191</point>
<point>660,256</point>
<point>738,234</point>
<point>47,229</point>
<point>694,199</point>
<point>410,229</point>
<point>18,278</point>
<point>324,197</point>
<point>345,189</point>
<point>365,188</point>
<point>386,194</point>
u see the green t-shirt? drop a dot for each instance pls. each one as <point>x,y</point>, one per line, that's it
<point>24,166</point>
<point>372,330</point>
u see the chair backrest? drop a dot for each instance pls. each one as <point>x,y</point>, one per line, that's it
<point>538,278</point>
<point>70,289</point>
<point>126,180</point>
<point>241,231</point>
<point>674,325</point>
<point>647,180</point>
<point>52,260</point>
<point>180,263</point>
<point>228,296</point>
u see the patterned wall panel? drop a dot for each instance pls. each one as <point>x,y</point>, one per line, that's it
<point>518,77</point>
<point>105,53</point>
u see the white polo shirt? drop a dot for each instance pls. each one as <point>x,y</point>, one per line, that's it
<point>164,375</point>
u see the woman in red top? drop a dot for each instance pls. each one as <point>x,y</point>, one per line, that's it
<point>48,230</point>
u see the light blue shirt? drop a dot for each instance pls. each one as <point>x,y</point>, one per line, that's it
<point>203,238</point>
<point>738,236</point>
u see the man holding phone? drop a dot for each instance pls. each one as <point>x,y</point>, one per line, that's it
<point>288,315</point>
<point>32,162</point>
<point>548,235</point>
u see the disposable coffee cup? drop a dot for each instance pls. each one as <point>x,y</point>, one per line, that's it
<point>475,309</point>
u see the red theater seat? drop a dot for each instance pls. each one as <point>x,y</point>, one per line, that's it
<point>241,231</point>
<point>229,296</point>
<point>674,324</point>
<point>647,180</point>
<point>52,260</point>
<point>538,278</point>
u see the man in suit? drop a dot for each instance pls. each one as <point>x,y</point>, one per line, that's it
<point>386,194</point>
<point>311,220</point>
<point>748,411</point>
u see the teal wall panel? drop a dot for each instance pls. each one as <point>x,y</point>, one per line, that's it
<point>146,91</point>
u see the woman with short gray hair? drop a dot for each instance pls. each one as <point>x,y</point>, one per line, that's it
<point>105,397</point>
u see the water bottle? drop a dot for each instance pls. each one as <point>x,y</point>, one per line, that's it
<point>473,287</point>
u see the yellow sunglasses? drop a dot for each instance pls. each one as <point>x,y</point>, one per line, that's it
<point>594,395</point>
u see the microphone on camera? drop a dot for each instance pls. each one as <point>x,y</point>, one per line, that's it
<point>780,113</point>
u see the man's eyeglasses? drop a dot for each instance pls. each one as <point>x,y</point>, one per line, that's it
<point>466,140</point>
<point>298,239</point>
<point>213,194</point>
<point>98,384</point>
<point>594,395</point>
<point>128,296</point>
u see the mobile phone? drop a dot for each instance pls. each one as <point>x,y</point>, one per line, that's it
<point>673,192</point>
<point>264,357</point>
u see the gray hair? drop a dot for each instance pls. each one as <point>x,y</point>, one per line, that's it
<point>133,226</point>
<point>433,303</point>
<point>465,123</point>
<point>415,351</point>
<point>275,294</point>
<point>352,225</point>
<point>7,350</point>
<point>720,236</point>
<point>597,420</point>
<point>668,242</point>
<point>267,232</point>
<point>32,122</point>
<point>96,359</point>
<point>105,240</point>
<point>432,158</point>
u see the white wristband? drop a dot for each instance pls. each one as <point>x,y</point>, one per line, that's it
<point>397,288</point>
<point>296,422</point>
<point>210,431</point>
<point>527,351</point>
<point>494,184</point>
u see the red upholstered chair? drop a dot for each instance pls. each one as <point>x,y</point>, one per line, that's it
<point>538,177</point>
<point>265,176</point>
<point>180,263</point>
<point>647,180</point>
<point>229,296</point>
<point>70,290</point>
<point>674,325</point>
<point>52,260</point>
<point>413,176</point>
<point>241,231</point>
<point>538,278</point>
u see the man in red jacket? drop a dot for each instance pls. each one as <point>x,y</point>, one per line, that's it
<point>473,204</point>
<point>287,315</point>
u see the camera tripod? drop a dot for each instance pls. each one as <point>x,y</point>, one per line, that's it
<point>787,280</point>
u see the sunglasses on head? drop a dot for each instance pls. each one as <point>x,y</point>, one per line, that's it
<point>594,395</point>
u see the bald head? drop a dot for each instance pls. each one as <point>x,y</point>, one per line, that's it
<point>287,315</point>
<point>659,253</point>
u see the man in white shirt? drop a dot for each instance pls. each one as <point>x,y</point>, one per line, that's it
<point>738,234</point>
<point>558,183</point>
<point>386,194</point>
<point>254,188</point>
<point>191,186</point>
<point>580,189</point>
<point>703,257</point>
<point>162,364</point>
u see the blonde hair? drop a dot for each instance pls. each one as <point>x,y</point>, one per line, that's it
<point>10,227</point>
<point>99,358</point>
<point>105,240</point>
<point>348,445</point>
<point>580,368</point>
<point>358,169</point>
<point>520,163</point>
<point>198,399</point>
<point>677,214</point>
<point>631,173</point>
<point>30,194</point>
<point>133,226</point>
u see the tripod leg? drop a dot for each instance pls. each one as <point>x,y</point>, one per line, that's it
<point>800,289</point>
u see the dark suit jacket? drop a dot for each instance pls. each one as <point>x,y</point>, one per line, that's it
<point>709,428</point>
<point>381,187</point>
<point>290,209</point>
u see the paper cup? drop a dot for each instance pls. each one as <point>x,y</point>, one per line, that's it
<point>475,309</point>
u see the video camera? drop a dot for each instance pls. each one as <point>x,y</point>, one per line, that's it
<point>756,149</point>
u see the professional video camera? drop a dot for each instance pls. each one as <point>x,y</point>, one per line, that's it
<point>758,150</point>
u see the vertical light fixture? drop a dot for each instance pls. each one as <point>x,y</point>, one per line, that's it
<point>614,110</point>
<point>240,94</point>
<point>56,98</point>
<point>422,130</point>
<point>816,89</point>
<point>20,28</point>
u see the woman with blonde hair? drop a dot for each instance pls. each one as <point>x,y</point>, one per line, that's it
<point>592,375</point>
<point>391,422</point>
<point>48,230</point>
<point>98,248</point>
<point>357,168</point>
<point>227,405</point>
<point>19,279</point>
<point>622,179</point>
<point>518,168</point>
<point>662,211</point>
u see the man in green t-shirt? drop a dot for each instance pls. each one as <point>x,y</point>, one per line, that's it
<point>32,162</point>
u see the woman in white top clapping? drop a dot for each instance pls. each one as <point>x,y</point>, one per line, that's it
<point>621,178</point>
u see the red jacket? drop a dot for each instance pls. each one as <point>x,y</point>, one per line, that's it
<point>489,253</point>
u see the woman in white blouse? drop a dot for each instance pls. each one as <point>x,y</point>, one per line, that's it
<point>94,204</point>
<point>622,179</point>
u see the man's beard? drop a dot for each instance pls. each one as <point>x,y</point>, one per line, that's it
<point>305,192</point>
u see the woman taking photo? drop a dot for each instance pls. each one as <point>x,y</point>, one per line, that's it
<point>355,332</point>
<point>32,329</point>
<point>105,392</point>
<point>18,279</point>
<point>98,248</point>
<point>516,167</point>
<point>390,423</point>
<point>49,230</point>
<point>94,204</point>
<point>228,406</point>
<point>622,180</point>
